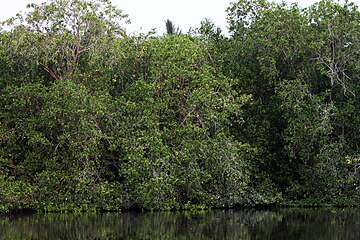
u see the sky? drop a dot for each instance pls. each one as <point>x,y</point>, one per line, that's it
<point>148,14</point>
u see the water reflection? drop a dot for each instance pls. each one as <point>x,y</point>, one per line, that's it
<point>218,224</point>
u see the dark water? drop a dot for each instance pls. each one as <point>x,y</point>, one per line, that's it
<point>278,224</point>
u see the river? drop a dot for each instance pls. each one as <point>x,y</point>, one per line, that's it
<point>251,224</point>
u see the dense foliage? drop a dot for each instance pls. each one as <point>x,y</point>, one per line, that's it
<point>92,119</point>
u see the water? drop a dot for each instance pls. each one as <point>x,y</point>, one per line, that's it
<point>277,224</point>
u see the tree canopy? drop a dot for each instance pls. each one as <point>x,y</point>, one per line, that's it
<point>93,119</point>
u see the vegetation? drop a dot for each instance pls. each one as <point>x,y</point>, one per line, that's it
<point>92,119</point>
<point>170,28</point>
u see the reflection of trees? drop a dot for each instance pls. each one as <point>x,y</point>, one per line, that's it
<point>218,224</point>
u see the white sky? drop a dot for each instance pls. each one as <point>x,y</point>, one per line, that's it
<point>148,14</point>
